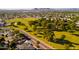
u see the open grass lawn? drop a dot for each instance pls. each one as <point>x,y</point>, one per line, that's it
<point>54,45</point>
<point>23,20</point>
<point>69,36</point>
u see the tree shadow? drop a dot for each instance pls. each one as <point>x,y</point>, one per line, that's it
<point>62,42</point>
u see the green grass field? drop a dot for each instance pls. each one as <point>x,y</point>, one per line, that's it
<point>69,36</point>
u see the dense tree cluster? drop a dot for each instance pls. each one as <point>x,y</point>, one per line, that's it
<point>48,26</point>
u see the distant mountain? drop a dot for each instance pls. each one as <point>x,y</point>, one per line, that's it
<point>54,9</point>
<point>39,9</point>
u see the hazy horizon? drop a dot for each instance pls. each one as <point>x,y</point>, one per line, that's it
<point>33,8</point>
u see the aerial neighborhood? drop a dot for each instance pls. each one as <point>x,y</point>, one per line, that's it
<point>39,28</point>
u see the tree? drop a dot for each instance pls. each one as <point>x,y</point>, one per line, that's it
<point>12,44</point>
<point>37,44</point>
<point>62,37</point>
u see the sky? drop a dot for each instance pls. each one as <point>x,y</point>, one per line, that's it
<point>28,4</point>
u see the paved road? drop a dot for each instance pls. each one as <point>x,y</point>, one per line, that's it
<point>42,44</point>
